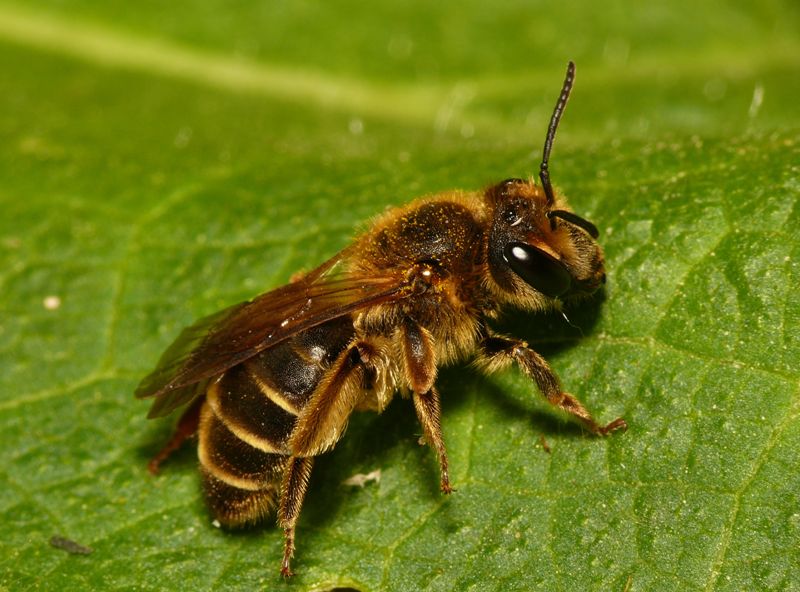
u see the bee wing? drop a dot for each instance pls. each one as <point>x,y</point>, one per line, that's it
<point>227,338</point>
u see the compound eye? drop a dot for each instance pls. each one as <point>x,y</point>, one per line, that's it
<point>539,269</point>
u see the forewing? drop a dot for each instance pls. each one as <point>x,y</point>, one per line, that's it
<point>220,341</point>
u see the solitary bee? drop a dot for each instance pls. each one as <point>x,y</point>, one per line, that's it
<point>270,383</point>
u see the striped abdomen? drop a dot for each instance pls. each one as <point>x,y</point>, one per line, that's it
<point>249,414</point>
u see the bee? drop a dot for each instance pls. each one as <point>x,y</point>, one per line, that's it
<point>269,384</point>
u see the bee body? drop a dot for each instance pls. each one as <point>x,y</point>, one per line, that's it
<point>251,411</point>
<point>270,383</point>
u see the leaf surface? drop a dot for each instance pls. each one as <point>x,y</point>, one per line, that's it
<point>163,163</point>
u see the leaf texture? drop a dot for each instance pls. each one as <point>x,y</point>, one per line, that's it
<point>161,164</point>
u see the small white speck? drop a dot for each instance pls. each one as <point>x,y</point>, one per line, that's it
<point>356,126</point>
<point>216,524</point>
<point>758,98</point>
<point>51,302</point>
<point>284,322</point>
<point>361,479</point>
<point>317,353</point>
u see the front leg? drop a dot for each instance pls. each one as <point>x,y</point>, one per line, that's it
<point>496,352</point>
<point>419,360</point>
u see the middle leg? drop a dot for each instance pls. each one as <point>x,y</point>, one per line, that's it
<point>429,415</point>
<point>420,364</point>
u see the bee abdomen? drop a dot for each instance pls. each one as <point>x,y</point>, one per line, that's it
<point>252,410</point>
<point>249,415</point>
<point>240,480</point>
<point>231,458</point>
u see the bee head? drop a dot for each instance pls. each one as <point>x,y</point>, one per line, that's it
<point>536,241</point>
<point>538,245</point>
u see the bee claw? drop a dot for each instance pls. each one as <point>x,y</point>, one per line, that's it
<point>617,424</point>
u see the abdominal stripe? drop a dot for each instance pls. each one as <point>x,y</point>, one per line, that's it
<point>272,394</point>
<point>232,460</point>
<point>248,412</point>
<point>238,430</point>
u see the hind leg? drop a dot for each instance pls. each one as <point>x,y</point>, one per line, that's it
<point>185,429</point>
<point>293,491</point>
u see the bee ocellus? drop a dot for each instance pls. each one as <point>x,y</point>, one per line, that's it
<point>269,384</point>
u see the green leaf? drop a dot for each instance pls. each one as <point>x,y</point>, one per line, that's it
<point>161,163</point>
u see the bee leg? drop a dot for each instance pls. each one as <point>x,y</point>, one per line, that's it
<point>185,429</point>
<point>496,352</point>
<point>293,490</point>
<point>429,414</point>
<point>420,365</point>
<point>324,418</point>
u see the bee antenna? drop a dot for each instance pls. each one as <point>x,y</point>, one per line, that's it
<point>544,173</point>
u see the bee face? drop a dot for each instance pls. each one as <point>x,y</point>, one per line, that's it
<point>533,244</point>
